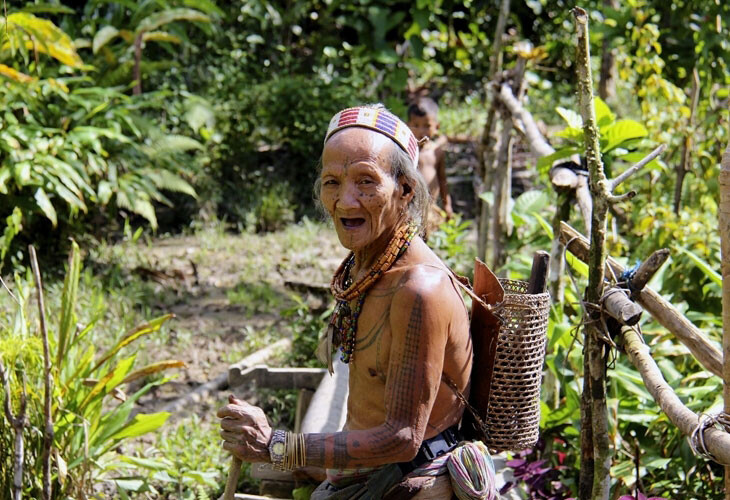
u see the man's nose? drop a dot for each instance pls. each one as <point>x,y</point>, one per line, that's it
<point>349,196</point>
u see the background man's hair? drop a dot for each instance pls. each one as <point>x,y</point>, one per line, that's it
<point>423,106</point>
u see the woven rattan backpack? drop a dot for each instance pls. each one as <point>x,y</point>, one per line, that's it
<point>509,334</point>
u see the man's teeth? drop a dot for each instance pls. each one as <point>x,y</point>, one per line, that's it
<point>352,222</point>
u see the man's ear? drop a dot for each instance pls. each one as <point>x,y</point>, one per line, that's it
<point>406,190</point>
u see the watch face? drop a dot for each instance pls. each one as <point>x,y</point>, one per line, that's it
<point>278,448</point>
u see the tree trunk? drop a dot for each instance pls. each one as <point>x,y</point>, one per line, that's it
<point>684,166</point>
<point>557,262</point>
<point>724,215</point>
<point>488,151</point>
<point>596,265</point>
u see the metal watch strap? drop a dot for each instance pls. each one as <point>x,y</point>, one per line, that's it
<point>277,459</point>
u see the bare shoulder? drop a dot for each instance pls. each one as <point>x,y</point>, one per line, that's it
<point>428,283</point>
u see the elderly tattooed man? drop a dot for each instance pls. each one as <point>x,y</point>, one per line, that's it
<point>400,322</point>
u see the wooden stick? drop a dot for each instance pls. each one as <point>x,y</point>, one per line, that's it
<point>666,315</point>
<point>538,275</point>
<point>647,270</point>
<point>613,183</point>
<point>717,441</point>
<point>17,422</point>
<point>47,381</point>
<point>619,306</point>
<point>232,482</point>
<point>684,166</point>
<point>724,216</point>
<point>593,348</point>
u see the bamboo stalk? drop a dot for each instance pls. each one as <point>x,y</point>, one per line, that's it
<point>662,311</point>
<point>596,264</point>
<point>717,441</point>
<point>47,382</point>
<point>724,216</point>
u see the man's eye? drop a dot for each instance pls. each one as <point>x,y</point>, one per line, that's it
<point>366,181</point>
<point>330,182</point>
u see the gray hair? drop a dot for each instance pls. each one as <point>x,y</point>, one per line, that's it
<point>401,165</point>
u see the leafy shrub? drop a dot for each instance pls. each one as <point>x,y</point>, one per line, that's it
<point>91,413</point>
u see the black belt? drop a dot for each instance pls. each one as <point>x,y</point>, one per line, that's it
<point>440,444</point>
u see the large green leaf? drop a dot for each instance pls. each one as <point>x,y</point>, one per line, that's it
<point>531,201</point>
<point>141,424</point>
<point>604,116</point>
<point>134,334</point>
<point>572,118</point>
<point>164,179</point>
<point>621,132</point>
<point>571,134</point>
<point>67,322</point>
<point>44,203</point>
<point>713,275</point>
<point>544,163</point>
<point>43,36</point>
<point>154,21</point>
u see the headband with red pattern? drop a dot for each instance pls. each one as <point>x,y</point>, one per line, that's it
<point>380,120</point>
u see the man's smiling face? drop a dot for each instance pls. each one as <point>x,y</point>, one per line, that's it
<point>357,188</point>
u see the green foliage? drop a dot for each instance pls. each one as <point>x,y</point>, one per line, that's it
<point>307,328</point>
<point>184,462</point>
<point>449,241</point>
<point>616,137</point>
<point>88,424</point>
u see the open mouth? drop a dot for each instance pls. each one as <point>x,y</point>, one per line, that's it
<point>352,222</point>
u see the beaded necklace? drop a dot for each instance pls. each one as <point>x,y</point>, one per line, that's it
<point>343,323</point>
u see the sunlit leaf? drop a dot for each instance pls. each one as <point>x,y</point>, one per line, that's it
<point>15,75</point>
<point>152,369</point>
<point>604,116</point>
<point>161,36</point>
<point>103,37</point>
<point>154,21</point>
<point>141,424</point>
<point>620,132</point>
<point>44,203</point>
<point>572,118</point>
<point>46,37</point>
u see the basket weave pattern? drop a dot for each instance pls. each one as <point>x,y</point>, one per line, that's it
<point>513,415</point>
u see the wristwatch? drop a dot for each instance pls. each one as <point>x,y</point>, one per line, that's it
<point>277,449</point>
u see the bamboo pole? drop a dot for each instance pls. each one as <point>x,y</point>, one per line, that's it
<point>724,216</point>
<point>662,311</point>
<point>594,359</point>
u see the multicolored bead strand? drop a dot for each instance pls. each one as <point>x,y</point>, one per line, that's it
<point>344,319</point>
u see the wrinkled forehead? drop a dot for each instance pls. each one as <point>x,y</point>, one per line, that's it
<point>357,144</point>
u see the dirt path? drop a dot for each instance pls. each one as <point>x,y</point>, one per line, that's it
<point>227,292</point>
